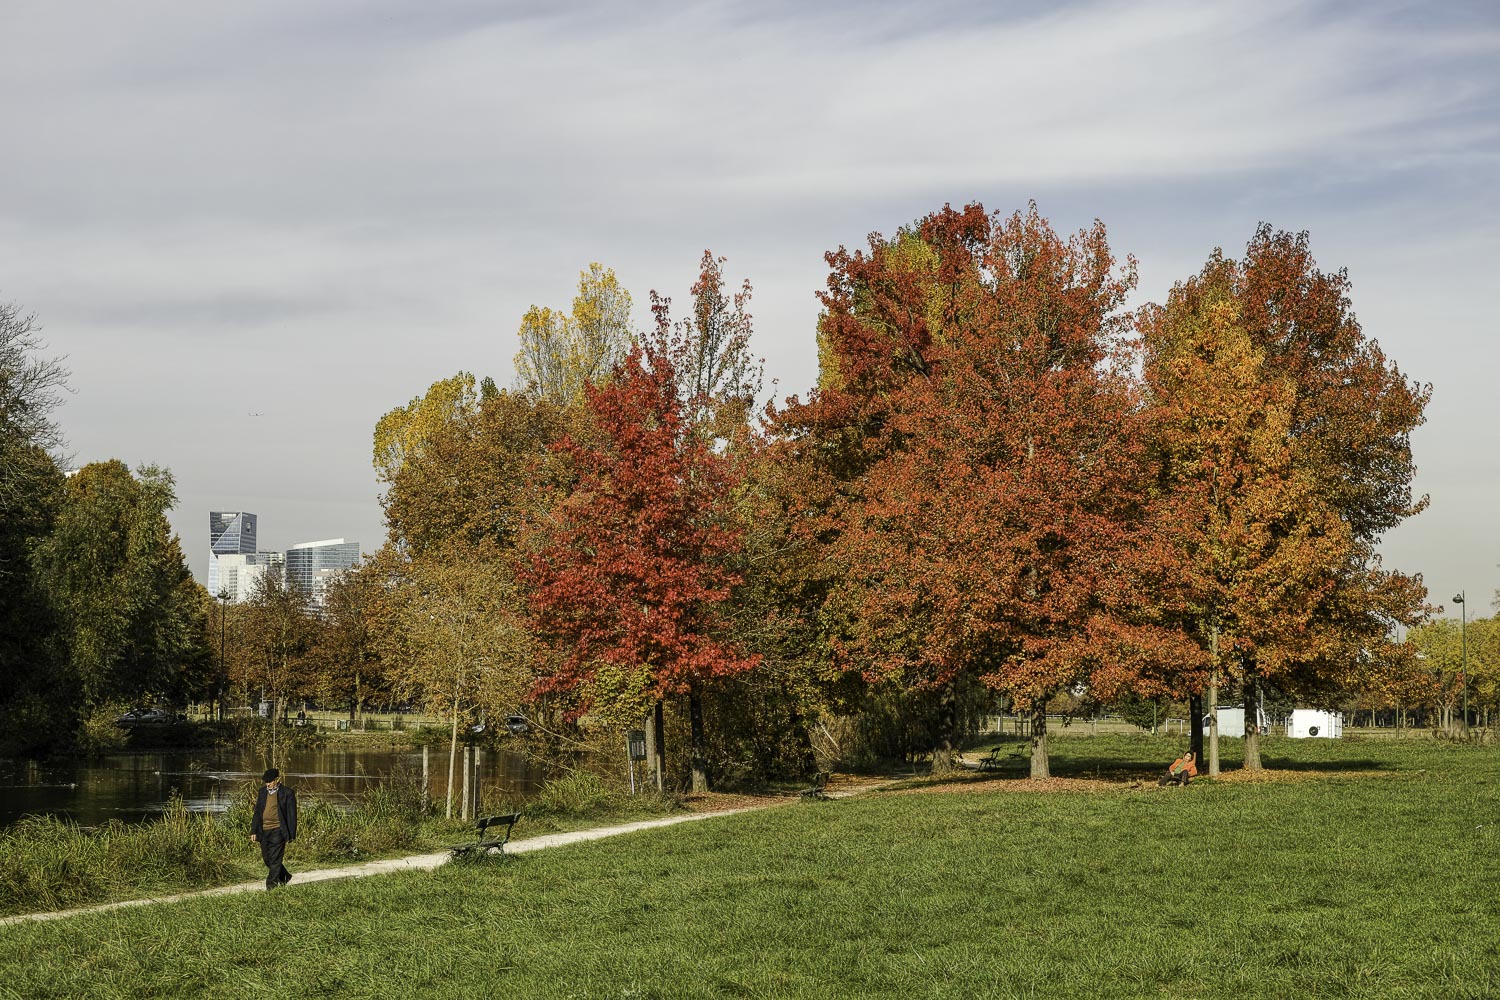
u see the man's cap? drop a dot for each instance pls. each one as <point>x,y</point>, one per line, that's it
<point>271,774</point>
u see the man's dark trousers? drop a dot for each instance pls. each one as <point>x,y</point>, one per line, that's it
<point>272,847</point>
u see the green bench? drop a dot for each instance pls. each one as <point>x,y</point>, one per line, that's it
<point>819,790</point>
<point>481,846</point>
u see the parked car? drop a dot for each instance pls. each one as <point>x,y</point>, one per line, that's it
<point>144,717</point>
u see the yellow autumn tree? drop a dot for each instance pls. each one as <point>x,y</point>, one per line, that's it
<point>561,352</point>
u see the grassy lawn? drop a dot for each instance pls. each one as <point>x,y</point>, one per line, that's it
<point>1370,872</point>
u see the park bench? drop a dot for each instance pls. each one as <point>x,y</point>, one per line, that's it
<point>998,758</point>
<point>819,789</point>
<point>481,846</point>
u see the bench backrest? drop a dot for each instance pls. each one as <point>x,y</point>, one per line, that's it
<point>489,821</point>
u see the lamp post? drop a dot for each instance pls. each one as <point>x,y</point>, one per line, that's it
<point>223,597</point>
<point>1463,636</point>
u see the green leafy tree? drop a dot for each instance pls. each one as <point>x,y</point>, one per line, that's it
<point>347,666</point>
<point>281,626</point>
<point>31,387</point>
<point>456,643</point>
<point>471,467</point>
<point>133,621</point>
<point>34,710</point>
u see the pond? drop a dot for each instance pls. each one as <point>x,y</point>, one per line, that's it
<point>135,786</point>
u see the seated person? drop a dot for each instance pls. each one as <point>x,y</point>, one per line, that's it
<point>1183,770</point>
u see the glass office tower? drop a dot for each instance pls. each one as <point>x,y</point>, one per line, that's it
<point>311,565</point>
<point>230,532</point>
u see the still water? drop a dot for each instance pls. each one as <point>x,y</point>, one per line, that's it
<point>136,786</point>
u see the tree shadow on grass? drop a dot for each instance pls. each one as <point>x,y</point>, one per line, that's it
<point>1284,764</point>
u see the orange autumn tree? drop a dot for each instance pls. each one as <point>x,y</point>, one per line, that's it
<point>1261,550</point>
<point>992,518</point>
<point>1284,438</point>
<point>632,575</point>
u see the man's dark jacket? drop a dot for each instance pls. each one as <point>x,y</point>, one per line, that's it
<point>286,808</point>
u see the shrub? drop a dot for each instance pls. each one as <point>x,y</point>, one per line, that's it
<point>98,734</point>
<point>572,794</point>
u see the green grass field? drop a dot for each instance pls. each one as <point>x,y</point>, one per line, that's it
<point>1372,872</point>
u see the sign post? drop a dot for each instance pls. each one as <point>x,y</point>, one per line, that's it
<point>635,749</point>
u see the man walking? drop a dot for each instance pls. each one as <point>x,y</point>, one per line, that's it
<point>274,825</point>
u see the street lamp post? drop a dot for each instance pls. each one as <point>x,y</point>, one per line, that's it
<point>223,596</point>
<point>1463,636</point>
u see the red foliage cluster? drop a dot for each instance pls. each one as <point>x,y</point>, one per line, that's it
<point>994,516</point>
<point>636,571</point>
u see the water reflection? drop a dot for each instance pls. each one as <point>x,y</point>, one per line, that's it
<point>135,786</point>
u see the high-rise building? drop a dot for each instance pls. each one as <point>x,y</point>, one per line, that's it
<point>240,572</point>
<point>311,565</point>
<point>230,532</point>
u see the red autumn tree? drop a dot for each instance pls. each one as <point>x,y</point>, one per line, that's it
<point>993,519</point>
<point>633,573</point>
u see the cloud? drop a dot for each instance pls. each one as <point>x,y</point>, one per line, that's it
<point>369,194</point>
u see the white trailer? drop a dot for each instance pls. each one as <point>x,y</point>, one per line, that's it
<point>1232,721</point>
<point>1315,723</point>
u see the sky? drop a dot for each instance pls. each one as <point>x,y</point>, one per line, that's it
<point>254,228</point>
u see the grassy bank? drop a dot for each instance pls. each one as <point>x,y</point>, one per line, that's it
<point>1368,872</point>
<point>47,864</point>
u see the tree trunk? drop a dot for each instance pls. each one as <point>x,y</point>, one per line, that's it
<point>942,754</point>
<point>276,710</point>
<point>658,730</point>
<point>452,757</point>
<point>807,760</point>
<point>1213,724</point>
<point>463,802</point>
<point>1213,703</point>
<point>1252,723</point>
<point>1195,724</point>
<point>700,755</point>
<point>1039,769</point>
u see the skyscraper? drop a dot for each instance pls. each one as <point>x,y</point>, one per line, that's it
<point>230,532</point>
<point>311,565</point>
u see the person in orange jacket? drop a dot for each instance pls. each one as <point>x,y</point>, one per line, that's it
<point>1183,770</point>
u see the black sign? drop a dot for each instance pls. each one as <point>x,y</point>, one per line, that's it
<point>636,741</point>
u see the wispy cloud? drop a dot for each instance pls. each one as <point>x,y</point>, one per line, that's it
<point>379,189</point>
